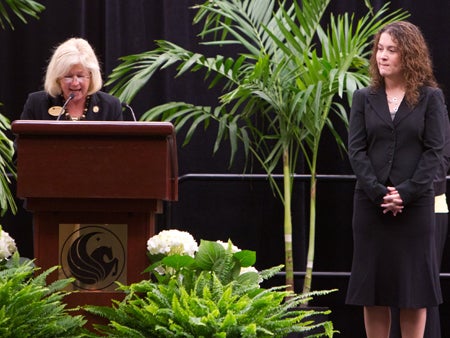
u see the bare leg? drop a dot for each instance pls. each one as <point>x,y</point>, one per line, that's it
<point>412,322</point>
<point>377,320</point>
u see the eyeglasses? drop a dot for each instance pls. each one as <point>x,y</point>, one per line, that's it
<point>80,78</point>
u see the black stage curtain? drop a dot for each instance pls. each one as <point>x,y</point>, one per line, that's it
<point>245,211</point>
<point>116,28</point>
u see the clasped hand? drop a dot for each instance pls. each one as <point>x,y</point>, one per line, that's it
<point>392,202</point>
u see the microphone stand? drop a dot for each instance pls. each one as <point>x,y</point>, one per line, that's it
<point>63,108</point>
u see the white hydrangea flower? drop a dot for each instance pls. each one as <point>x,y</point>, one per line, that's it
<point>251,269</point>
<point>234,248</point>
<point>248,269</point>
<point>170,242</point>
<point>7,245</point>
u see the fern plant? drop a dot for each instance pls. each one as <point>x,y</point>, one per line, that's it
<point>209,309</point>
<point>29,307</point>
<point>214,292</point>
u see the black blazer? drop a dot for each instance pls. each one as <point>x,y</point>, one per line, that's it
<point>404,152</point>
<point>440,180</point>
<point>102,107</point>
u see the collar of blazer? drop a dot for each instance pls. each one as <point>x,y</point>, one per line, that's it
<point>378,101</point>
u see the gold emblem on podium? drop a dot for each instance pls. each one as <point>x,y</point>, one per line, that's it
<point>93,254</point>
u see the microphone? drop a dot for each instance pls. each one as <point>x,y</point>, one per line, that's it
<point>125,105</point>
<point>63,108</point>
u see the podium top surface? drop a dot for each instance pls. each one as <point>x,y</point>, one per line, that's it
<point>41,127</point>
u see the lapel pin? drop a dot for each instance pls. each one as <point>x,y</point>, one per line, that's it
<point>54,111</point>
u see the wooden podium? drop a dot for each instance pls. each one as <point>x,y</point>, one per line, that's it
<point>94,189</point>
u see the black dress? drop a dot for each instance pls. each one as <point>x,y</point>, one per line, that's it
<point>394,258</point>
<point>394,261</point>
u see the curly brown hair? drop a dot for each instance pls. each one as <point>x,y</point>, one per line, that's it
<point>417,65</point>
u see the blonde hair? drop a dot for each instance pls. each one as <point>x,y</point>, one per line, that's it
<point>74,51</point>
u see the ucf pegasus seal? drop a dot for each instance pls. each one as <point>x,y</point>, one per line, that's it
<point>94,256</point>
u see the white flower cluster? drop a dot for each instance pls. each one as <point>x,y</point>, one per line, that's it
<point>248,269</point>
<point>170,242</point>
<point>234,248</point>
<point>7,245</point>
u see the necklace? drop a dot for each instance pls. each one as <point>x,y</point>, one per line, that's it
<point>78,118</point>
<point>394,101</point>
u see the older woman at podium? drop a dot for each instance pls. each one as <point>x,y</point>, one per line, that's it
<point>72,88</point>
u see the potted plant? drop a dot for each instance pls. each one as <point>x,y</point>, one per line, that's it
<point>206,290</point>
<point>19,8</point>
<point>277,95</point>
<point>30,306</point>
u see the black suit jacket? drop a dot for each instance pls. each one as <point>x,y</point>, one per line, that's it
<point>404,152</point>
<point>102,107</point>
<point>440,180</point>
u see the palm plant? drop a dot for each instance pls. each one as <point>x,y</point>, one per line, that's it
<point>277,95</point>
<point>7,168</point>
<point>21,9</point>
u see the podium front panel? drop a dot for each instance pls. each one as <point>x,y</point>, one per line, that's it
<point>71,160</point>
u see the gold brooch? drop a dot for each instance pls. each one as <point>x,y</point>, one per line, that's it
<point>54,111</point>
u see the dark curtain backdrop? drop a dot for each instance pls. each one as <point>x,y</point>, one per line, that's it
<point>244,210</point>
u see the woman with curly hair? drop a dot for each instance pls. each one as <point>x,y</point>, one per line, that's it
<point>395,144</point>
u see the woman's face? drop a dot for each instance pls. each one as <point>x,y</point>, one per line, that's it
<point>388,58</point>
<point>75,81</point>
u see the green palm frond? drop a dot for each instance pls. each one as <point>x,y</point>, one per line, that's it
<point>7,168</point>
<point>235,22</point>
<point>136,70</point>
<point>19,8</point>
